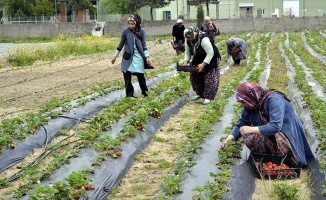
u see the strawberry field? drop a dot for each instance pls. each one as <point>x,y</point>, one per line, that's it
<point>68,132</point>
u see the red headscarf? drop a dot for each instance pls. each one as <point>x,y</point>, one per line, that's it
<point>249,94</point>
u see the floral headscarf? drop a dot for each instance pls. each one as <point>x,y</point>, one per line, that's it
<point>137,20</point>
<point>196,34</point>
<point>249,94</point>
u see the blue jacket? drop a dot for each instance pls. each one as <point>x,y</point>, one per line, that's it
<point>282,118</point>
<point>128,39</point>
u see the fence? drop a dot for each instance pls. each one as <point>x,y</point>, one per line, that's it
<point>31,19</point>
<point>164,27</point>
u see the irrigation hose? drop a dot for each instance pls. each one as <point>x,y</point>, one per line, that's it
<point>44,152</point>
<point>15,176</point>
<point>80,119</point>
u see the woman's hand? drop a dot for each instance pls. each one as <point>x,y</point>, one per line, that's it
<point>224,144</point>
<point>148,61</point>
<point>185,62</point>
<point>246,130</point>
<point>200,67</point>
<point>113,60</point>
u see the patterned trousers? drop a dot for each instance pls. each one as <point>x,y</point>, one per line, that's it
<point>263,145</point>
<point>205,84</point>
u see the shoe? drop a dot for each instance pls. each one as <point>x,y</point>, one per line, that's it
<point>144,94</point>
<point>207,101</point>
<point>195,98</point>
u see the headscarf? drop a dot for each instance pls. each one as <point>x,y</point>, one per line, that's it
<point>249,94</point>
<point>231,43</point>
<point>252,95</point>
<point>196,34</point>
<point>179,21</point>
<point>137,20</point>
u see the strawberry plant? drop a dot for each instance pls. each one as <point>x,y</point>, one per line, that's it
<point>3,183</point>
<point>155,109</point>
<point>128,131</point>
<point>43,192</point>
<point>172,184</point>
<point>286,191</point>
<point>106,143</point>
<point>139,119</point>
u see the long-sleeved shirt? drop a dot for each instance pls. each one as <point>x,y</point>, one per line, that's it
<point>206,45</point>
<point>282,118</point>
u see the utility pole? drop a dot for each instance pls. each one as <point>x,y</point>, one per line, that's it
<point>229,9</point>
<point>177,9</point>
<point>55,8</point>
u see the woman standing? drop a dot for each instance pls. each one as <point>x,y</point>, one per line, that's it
<point>209,27</point>
<point>269,124</point>
<point>237,48</point>
<point>133,39</point>
<point>205,56</point>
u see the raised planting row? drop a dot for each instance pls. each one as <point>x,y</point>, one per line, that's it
<point>113,136</point>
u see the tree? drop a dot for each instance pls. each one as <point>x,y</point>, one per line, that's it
<point>116,7</point>
<point>200,15</point>
<point>43,7</point>
<point>129,6</point>
<point>76,5</point>
<point>17,8</point>
<point>207,2</point>
<point>157,4</point>
<point>135,5</point>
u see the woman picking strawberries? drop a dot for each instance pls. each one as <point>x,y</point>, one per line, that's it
<point>269,124</point>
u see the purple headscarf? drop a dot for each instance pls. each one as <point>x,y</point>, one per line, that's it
<point>249,94</point>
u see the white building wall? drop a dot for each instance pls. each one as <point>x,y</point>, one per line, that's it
<point>292,5</point>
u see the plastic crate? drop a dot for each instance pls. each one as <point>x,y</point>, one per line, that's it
<point>257,161</point>
<point>174,45</point>
<point>187,68</point>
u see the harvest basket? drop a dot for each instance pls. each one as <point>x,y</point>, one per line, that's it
<point>174,45</point>
<point>283,168</point>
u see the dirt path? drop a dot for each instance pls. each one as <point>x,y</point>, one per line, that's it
<point>25,89</point>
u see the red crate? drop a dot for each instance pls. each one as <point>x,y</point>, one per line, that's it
<point>174,45</point>
<point>257,161</point>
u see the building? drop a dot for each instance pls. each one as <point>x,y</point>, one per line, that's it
<point>227,9</point>
<point>187,9</point>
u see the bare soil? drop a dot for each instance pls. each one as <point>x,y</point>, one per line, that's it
<point>25,89</point>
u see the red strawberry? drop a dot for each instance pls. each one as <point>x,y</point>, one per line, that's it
<point>118,153</point>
